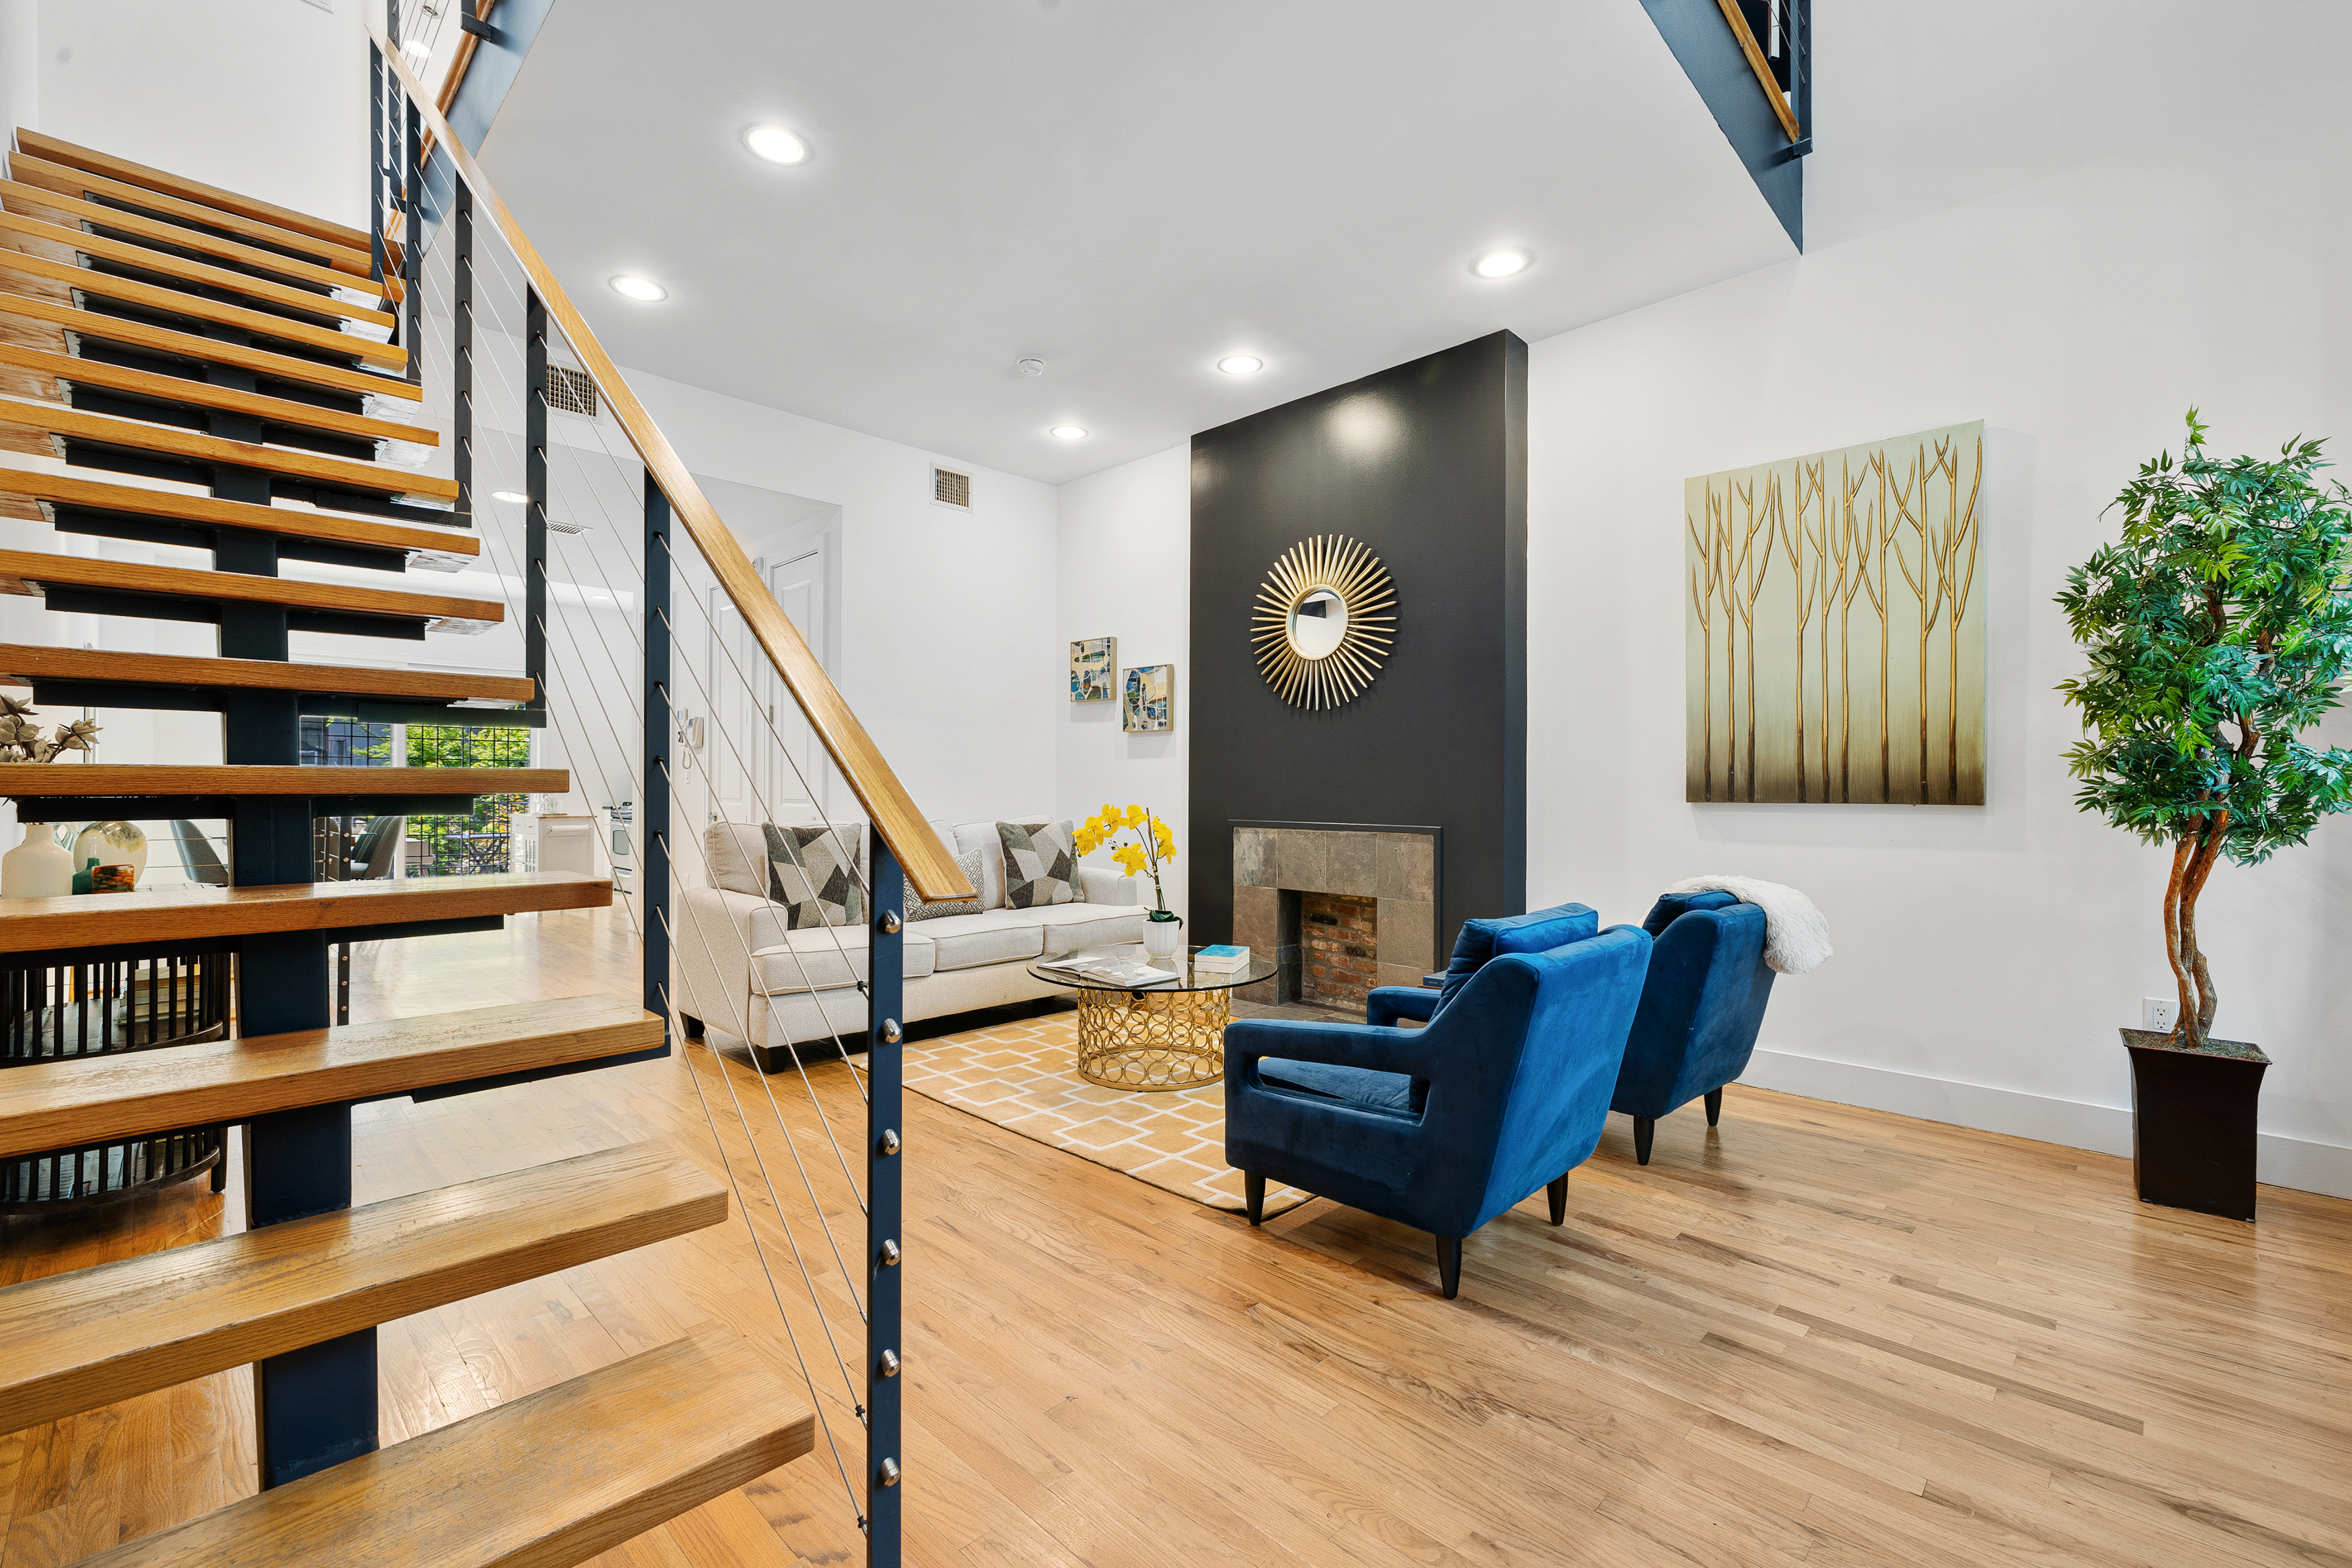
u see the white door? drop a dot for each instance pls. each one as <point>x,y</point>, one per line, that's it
<point>735,682</point>
<point>802,771</point>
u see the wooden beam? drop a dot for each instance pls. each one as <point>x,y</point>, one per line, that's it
<point>65,153</point>
<point>207,350</point>
<point>192,913</point>
<point>86,1339</point>
<point>59,1103</point>
<point>19,197</point>
<point>548,1479</point>
<point>1760,66</point>
<point>70,370</point>
<point>177,441</point>
<point>77,183</point>
<point>184,582</point>
<point>108,286</point>
<point>82,242</point>
<point>21,661</point>
<point>888,805</point>
<point>53,490</point>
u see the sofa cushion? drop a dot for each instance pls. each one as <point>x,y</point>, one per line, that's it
<point>1384,1093</point>
<point>967,862</point>
<point>1537,932</point>
<point>981,836</point>
<point>1074,927</point>
<point>818,957</point>
<point>817,873</point>
<point>991,936</point>
<point>1040,864</point>
<point>737,857</point>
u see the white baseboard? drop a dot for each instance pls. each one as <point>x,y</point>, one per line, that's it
<point>2282,1162</point>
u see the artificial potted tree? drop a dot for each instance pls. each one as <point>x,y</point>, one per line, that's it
<point>2218,628</point>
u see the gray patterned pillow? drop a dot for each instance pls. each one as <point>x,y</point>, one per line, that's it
<point>1041,861</point>
<point>815,874</point>
<point>967,862</point>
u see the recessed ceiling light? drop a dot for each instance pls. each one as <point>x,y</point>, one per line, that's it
<point>1500,263</point>
<point>1241,364</point>
<point>1069,432</point>
<point>643,289</point>
<point>512,497</point>
<point>776,144</point>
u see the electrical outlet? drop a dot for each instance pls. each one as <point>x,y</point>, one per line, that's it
<point>2158,1014</point>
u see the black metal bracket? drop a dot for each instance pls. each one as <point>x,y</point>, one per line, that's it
<point>482,30</point>
<point>215,807</point>
<point>401,930</point>
<point>533,1074</point>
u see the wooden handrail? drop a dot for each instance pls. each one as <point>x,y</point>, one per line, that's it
<point>927,863</point>
<point>1760,66</point>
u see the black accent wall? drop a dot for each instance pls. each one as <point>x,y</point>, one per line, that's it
<point>1427,464</point>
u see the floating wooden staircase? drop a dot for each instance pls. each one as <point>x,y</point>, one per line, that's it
<point>187,368</point>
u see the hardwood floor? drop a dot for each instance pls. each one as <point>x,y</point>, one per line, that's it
<point>1816,1335</point>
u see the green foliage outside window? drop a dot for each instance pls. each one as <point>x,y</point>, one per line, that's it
<point>458,846</point>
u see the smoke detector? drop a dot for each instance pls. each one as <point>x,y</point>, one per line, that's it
<point>1030,367</point>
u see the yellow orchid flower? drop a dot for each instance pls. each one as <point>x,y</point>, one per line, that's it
<point>1134,817</point>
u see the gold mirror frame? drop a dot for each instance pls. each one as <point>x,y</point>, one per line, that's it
<point>1348,568</point>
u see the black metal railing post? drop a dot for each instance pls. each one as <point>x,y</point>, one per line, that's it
<point>1800,66</point>
<point>412,260</point>
<point>652,821</point>
<point>461,396</point>
<point>885,1086</point>
<point>376,75</point>
<point>534,440</point>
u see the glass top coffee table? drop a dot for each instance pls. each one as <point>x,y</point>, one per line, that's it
<point>1167,1035</point>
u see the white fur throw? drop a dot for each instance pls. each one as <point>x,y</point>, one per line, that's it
<point>1796,936</point>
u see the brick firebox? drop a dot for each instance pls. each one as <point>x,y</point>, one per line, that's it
<point>1279,867</point>
<point>1341,935</point>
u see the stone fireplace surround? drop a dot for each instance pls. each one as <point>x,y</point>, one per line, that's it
<point>1276,862</point>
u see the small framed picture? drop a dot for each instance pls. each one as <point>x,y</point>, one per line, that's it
<point>1094,665</point>
<point>1150,703</point>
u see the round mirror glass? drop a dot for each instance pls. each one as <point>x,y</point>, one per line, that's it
<point>1318,623</point>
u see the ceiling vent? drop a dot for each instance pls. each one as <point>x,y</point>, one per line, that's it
<point>570,392</point>
<point>950,488</point>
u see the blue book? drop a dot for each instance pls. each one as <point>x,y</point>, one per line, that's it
<point>1224,956</point>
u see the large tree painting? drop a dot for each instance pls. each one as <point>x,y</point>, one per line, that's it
<point>1834,625</point>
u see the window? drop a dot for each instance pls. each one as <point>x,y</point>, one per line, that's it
<point>468,845</point>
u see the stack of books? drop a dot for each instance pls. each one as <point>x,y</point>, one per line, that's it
<point>1225,959</point>
<point>1121,966</point>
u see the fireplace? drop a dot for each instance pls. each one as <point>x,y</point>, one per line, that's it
<point>1340,906</point>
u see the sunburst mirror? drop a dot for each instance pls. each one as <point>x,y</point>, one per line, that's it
<point>1325,618</point>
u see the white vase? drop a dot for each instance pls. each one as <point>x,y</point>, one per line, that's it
<point>1163,938</point>
<point>41,867</point>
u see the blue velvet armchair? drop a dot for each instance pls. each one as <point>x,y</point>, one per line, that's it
<point>1702,1003</point>
<point>1443,1127</point>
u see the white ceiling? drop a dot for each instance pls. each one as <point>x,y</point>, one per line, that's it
<point>1126,190</point>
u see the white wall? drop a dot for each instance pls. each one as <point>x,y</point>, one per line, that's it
<point>1985,956</point>
<point>267,98</point>
<point>1126,562</point>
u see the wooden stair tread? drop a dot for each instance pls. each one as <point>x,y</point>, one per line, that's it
<point>549,1480</point>
<point>81,1099</point>
<point>178,302</point>
<point>32,782</point>
<point>179,267</point>
<point>70,489</point>
<point>23,661</point>
<point>206,351</point>
<point>70,370</point>
<point>30,171</point>
<point>36,567</point>
<point>86,1339</point>
<point>18,197</point>
<point>67,153</point>
<point>58,419</point>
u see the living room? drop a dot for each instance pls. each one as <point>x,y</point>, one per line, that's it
<point>1360,554</point>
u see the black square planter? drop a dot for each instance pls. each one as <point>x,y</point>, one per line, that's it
<point>2193,1123</point>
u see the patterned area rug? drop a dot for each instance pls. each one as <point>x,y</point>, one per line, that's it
<point>1023,1075</point>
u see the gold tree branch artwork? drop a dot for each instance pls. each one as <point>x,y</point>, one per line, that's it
<point>1778,557</point>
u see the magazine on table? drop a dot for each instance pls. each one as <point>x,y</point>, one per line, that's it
<point>1109,966</point>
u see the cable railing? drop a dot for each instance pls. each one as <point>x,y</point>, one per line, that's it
<point>637,607</point>
<point>1775,36</point>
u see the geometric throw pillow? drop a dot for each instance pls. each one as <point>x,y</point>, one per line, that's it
<point>1040,864</point>
<point>967,862</point>
<point>813,873</point>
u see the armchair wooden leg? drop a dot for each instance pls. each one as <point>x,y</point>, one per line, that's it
<point>1449,1265</point>
<point>1644,1129</point>
<point>1714,1107</point>
<point>693,1025</point>
<point>1558,1193</point>
<point>1254,1194</point>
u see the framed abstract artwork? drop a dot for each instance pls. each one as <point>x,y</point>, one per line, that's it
<point>1148,703</point>
<point>1094,663</point>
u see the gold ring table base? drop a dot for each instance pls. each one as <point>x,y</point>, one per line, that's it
<point>1153,1040</point>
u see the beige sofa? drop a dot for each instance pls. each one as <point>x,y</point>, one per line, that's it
<point>740,972</point>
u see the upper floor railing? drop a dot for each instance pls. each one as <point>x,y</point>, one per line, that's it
<point>1777,37</point>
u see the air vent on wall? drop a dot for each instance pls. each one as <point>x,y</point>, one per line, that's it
<point>950,488</point>
<point>570,392</point>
